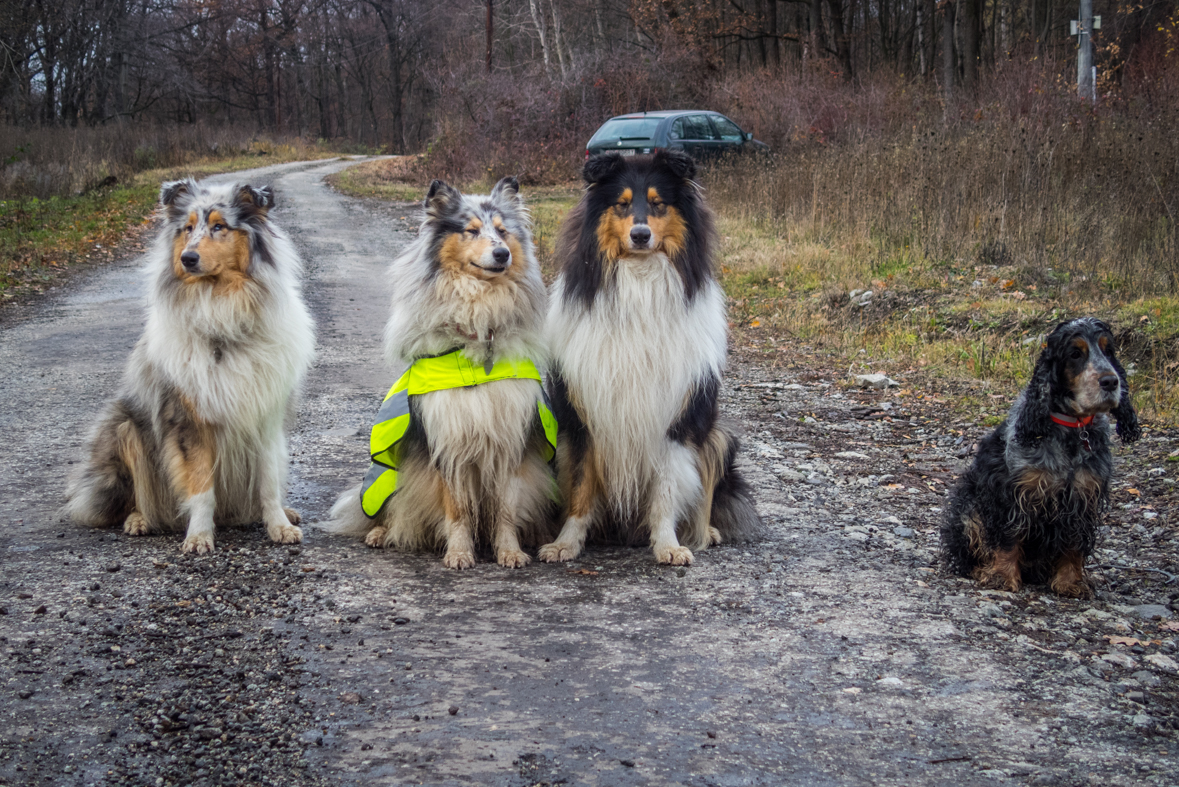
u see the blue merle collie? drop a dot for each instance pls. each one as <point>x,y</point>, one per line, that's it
<point>1029,507</point>
<point>637,332</point>
<point>197,434</point>
<point>473,471</point>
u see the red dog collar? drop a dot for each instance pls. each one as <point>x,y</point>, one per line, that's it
<point>1068,420</point>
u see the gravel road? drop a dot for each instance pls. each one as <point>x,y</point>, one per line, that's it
<point>834,652</point>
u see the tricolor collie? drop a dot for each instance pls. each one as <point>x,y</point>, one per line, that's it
<point>461,444</point>
<point>637,332</point>
<point>196,436</point>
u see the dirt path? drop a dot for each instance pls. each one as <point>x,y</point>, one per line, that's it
<point>832,653</point>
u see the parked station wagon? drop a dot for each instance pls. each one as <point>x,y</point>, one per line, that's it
<point>702,134</point>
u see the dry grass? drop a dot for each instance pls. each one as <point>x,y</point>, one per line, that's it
<point>973,247</point>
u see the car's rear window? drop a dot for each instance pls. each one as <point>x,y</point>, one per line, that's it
<point>627,128</point>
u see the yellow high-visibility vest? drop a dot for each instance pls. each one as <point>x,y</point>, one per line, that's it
<point>438,373</point>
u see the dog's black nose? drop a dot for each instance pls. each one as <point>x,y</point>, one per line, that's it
<point>190,259</point>
<point>1109,382</point>
<point>640,234</point>
<point>501,255</point>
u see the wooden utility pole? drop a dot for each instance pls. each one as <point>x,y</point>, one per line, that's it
<point>490,31</point>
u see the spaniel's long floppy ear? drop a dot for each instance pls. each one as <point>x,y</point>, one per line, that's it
<point>1128,429</point>
<point>1035,416</point>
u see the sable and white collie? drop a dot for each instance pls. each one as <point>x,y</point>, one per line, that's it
<point>197,434</point>
<point>471,467</point>
<point>637,332</point>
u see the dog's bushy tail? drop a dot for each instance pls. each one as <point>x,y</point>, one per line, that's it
<point>347,517</point>
<point>101,493</point>
<point>733,513</point>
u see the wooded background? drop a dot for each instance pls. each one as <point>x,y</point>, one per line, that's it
<point>400,73</point>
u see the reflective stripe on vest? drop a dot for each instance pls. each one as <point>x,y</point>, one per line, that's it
<point>426,375</point>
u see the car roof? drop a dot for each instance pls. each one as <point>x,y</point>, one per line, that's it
<point>665,113</point>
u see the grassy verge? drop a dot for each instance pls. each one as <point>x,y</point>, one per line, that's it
<point>41,238</point>
<point>957,331</point>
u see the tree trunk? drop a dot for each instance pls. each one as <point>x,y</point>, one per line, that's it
<point>818,38</point>
<point>558,42</point>
<point>772,26</point>
<point>971,27</point>
<point>391,20</point>
<point>840,39</point>
<point>542,31</point>
<point>949,55</point>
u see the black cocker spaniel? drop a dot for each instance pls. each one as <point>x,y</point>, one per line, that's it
<point>1028,508</point>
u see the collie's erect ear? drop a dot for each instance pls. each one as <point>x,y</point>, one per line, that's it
<point>253,203</point>
<point>601,167</point>
<point>1127,418</point>
<point>172,192</point>
<point>260,199</point>
<point>508,188</point>
<point>679,162</point>
<point>442,200</point>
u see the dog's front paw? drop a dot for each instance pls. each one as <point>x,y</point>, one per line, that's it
<point>376,537</point>
<point>294,516</point>
<point>284,534</point>
<point>992,579</point>
<point>1072,589</point>
<point>198,543</point>
<point>136,525</point>
<point>459,558</point>
<point>673,555</point>
<point>557,552</point>
<point>512,558</point>
<point>714,536</point>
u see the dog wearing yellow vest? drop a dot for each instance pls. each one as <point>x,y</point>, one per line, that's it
<point>460,449</point>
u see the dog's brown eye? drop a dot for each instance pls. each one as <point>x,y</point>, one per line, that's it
<point>503,233</point>
<point>1076,353</point>
<point>188,228</point>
